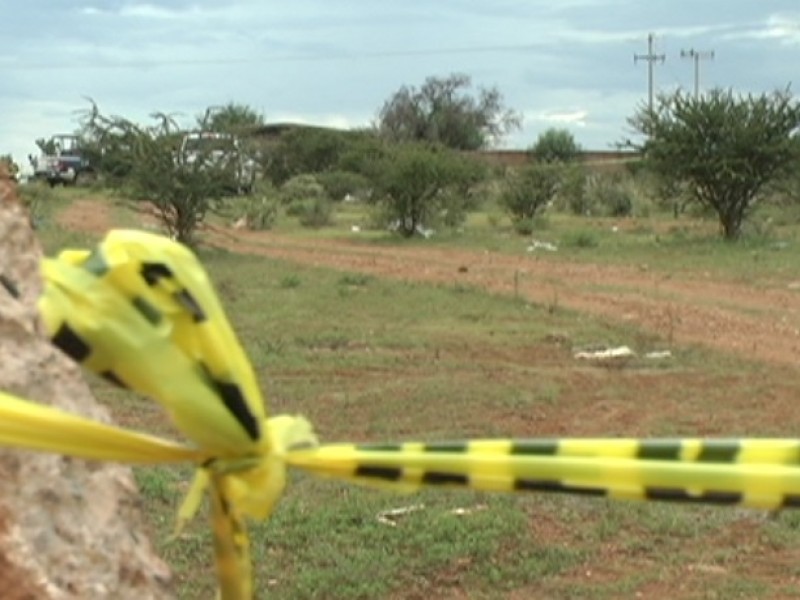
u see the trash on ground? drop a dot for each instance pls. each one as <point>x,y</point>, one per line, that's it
<point>606,353</point>
<point>658,354</point>
<point>390,517</point>
<point>540,245</point>
<point>464,511</point>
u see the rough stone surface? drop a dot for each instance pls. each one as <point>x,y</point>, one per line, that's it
<point>68,528</point>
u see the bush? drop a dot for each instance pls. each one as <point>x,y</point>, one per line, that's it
<point>145,163</point>
<point>580,239</point>
<point>528,191</point>
<point>524,226</point>
<point>340,184</point>
<point>314,213</point>
<point>610,195</point>
<point>571,193</point>
<point>419,185</point>
<point>260,212</point>
<point>555,145</point>
<point>302,188</point>
<point>727,147</point>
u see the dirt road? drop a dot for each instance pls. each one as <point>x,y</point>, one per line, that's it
<point>762,324</point>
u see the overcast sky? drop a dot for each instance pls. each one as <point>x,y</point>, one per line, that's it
<point>564,63</point>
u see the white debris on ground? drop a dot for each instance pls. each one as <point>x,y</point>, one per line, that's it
<point>390,517</point>
<point>658,354</point>
<point>619,353</point>
<point>606,353</point>
<point>464,511</point>
<point>540,245</point>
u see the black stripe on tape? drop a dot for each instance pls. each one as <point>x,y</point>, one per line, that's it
<point>71,344</point>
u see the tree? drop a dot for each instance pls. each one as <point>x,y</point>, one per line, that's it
<point>555,145</point>
<point>318,150</point>
<point>417,185</point>
<point>726,148</point>
<point>443,111</point>
<point>148,168</point>
<point>527,191</point>
<point>233,118</point>
<point>46,146</point>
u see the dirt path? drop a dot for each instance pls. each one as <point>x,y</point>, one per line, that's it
<point>763,324</point>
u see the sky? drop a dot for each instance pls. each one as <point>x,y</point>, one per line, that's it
<point>559,63</point>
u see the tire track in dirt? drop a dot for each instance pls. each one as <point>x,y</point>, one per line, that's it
<point>756,323</point>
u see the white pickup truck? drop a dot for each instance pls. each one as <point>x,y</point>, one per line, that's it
<point>62,161</point>
<point>223,151</point>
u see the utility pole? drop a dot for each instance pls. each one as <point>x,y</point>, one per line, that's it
<point>697,56</point>
<point>651,57</point>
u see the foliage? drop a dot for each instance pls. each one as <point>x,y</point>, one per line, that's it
<point>315,212</point>
<point>305,198</point>
<point>233,118</point>
<point>362,152</point>
<point>443,111</point>
<point>580,239</point>
<point>313,150</point>
<point>555,145</point>
<point>301,188</point>
<point>528,191</point>
<point>46,146</point>
<point>340,184</point>
<point>726,147</point>
<point>571,194</point>
<point>147,168</point>
<point>610,195</point>
<point>259,210</point>
<point>419,185</point>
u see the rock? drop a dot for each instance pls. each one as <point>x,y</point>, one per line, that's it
<point>68,528</point>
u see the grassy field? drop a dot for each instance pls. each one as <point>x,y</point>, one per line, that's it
<point>367,359</point>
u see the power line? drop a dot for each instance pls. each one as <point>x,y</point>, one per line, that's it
<point>651,57</point>
<point>8,65</point>
<point>697,56</point>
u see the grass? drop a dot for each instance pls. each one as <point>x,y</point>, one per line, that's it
<point>369,359</point>
<point>659,242</point>
<point>410,361</point>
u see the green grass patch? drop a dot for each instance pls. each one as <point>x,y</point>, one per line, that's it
<point>367,359</point>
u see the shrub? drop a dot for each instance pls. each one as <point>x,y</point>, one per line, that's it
<point>419,185</point>
<point>727,147</point>
<point>528,191</point>
<point>555,145</point>
<point>302,188</point>
<point>610,195</point>
<point>571,194</point>
<point>340,184</point>
<point>260,212</point>
<point>314,213</point>
<point>580,239</point>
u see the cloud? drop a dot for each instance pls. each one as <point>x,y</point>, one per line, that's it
<point>784,28</point>
<point>574,117</point>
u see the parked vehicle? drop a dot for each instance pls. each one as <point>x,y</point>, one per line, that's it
<point>62,161</point>
<point>222,151</point>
